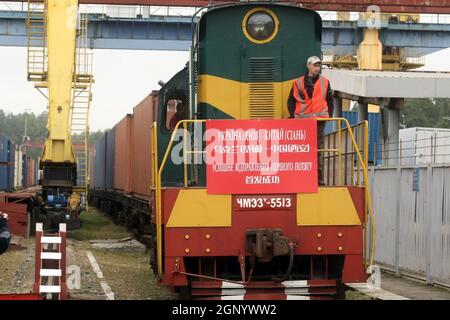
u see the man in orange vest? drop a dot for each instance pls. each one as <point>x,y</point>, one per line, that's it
<point>311,97</point>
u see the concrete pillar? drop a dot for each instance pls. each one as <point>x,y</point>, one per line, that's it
<point>337,111</point>
<point>391,126</point>
<point>362,112</point>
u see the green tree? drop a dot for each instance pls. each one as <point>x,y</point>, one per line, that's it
<point>426,113</point>
<point>13,125</point>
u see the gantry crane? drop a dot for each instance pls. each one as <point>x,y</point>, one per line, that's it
<point>59,62</point>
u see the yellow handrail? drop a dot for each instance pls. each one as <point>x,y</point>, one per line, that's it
<point>154,154</point>
<point>158,189</point>
<point>362,160</point>
<point>364,164</point>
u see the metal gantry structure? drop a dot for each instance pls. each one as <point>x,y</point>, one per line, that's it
<point>400,6</point>
<point>59,61</point>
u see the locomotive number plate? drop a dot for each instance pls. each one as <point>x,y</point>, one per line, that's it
<point>263,202</point>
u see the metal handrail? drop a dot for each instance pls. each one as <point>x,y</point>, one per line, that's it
<point>364,163</point>
<point>158,186</point>
<point>159,169</point>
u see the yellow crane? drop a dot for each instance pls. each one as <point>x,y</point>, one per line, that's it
<point>61,70</point>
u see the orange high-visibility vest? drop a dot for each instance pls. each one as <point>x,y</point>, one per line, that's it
<point>311,107</point>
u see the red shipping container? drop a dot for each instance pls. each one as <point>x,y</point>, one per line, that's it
<point>30,172</point>
<point>123,154</point>
<point>33,173</point>
<point>143,117</point>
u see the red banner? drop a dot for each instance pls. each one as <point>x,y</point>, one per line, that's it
<point>261,156</point>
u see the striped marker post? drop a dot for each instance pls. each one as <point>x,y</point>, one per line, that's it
<point>50,263</point>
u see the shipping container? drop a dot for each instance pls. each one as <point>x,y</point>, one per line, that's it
<point>39,172</point>
<point>3,162</point>
<point>99,163</point>
<point>36,172</point>
<point>3,148</point>
<point>123,154</point>
<point>24,171</point>
<point>91,165</point>
<point>11,161</point>
<point>7,163</point>
<point>110,151</point>
<point>18,169</point>
<point>143,117</point>
<point>28,172</point>
<point>374,119</point>
<point>424,145</point>
<point>3,178</point>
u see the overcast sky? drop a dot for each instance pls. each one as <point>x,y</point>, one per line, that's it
<point>122,79</point>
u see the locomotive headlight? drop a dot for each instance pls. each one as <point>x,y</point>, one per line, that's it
<point>260,25</point>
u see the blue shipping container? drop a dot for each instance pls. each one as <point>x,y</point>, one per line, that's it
<point>3,160</point>
<point>110,152</point>
<point>99,163</point>
<point>25,171</point>
<point>374,119</point>
<point>3,148</point>
<point>3,178</point>
<point>375,138</point>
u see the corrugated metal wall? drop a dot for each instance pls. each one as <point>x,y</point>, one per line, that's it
<point>143,117</point>
<point>412,214</point>
<point>3,162</point>
<point>91,165</point>
<point>99,163</point>
<point>123,160</point>
<point>110,148</point>
<point>10,168</point>
<point>18,170</point>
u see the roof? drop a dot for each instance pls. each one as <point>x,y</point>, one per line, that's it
<point>390,84</point>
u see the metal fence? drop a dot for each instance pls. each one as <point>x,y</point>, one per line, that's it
<point>412,215</point>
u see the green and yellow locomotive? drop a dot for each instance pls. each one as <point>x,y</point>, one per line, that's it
<point>244,59</point>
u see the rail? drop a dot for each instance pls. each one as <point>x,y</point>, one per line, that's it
<point>345,134</point>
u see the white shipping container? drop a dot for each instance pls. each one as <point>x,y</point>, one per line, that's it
<point>424,145</point>
<point>18,170</point>
<point>121,11</point>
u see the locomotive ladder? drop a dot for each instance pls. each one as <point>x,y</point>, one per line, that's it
<point>50,263</point>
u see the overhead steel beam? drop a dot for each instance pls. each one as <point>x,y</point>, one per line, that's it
<point>175,33</point>
<point>400,6</point>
